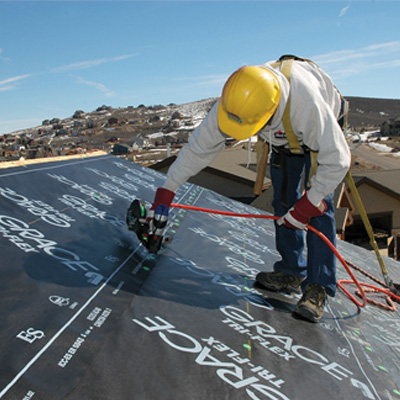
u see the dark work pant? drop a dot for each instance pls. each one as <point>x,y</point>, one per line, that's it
<point>318,263</point>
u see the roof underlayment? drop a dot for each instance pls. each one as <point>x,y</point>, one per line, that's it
<point>87,313</point>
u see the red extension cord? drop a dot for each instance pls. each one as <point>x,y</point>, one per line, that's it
<point>360,290</point>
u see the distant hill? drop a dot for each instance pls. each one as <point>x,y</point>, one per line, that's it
<point>368,112</point>
<point>149,127</point>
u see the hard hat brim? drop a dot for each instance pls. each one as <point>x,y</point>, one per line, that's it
<point>235,129</point>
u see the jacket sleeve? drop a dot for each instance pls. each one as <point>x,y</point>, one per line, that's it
<point>313,112</point>
<point>204,144</point>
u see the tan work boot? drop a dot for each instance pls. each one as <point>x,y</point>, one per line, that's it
<point>312,305</point>
<point>279,281</point>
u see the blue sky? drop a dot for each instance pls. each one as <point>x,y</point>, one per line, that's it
<point>58,57</point>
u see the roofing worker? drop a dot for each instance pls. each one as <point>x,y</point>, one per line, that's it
<point>253,102</point>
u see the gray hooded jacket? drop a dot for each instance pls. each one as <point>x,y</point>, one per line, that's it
<point>314,108</point>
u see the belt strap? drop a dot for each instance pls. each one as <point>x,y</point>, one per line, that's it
<point>286,63</point>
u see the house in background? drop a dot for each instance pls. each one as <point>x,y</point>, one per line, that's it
<point>233,173</point>
<point>380,193</point>
<point>139,142</point>
<point>391,127</point>
<point>121,149</point>
<point>126,147</point>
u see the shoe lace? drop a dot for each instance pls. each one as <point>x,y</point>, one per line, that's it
<point>316,294</point>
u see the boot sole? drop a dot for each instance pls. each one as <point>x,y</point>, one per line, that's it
<point>306,314</point>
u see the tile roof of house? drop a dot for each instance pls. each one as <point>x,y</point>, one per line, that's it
<point>387,179</point>
<point>235,162</point>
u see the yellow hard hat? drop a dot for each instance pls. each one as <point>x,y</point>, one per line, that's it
<point>249,99</point>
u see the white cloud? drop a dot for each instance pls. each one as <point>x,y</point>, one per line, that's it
<point>346,63</point>
<point>7,84</point>
<point>99,86</point>
<point>91,63</point>
<point>7,126</point>
<point>344,10</point>
<point>376,50</point>
<point>4,84</point>
<point>365,67</point>
<point>213,80</point>
<point>1,57</point>
<point>205,80</point>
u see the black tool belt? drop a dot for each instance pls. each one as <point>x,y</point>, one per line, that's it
<point>279,161</point>
<point>287,151</point>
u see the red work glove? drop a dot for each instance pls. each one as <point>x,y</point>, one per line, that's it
<point>157,223</point>
<point>298,216</point>
<point>163,197</point>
